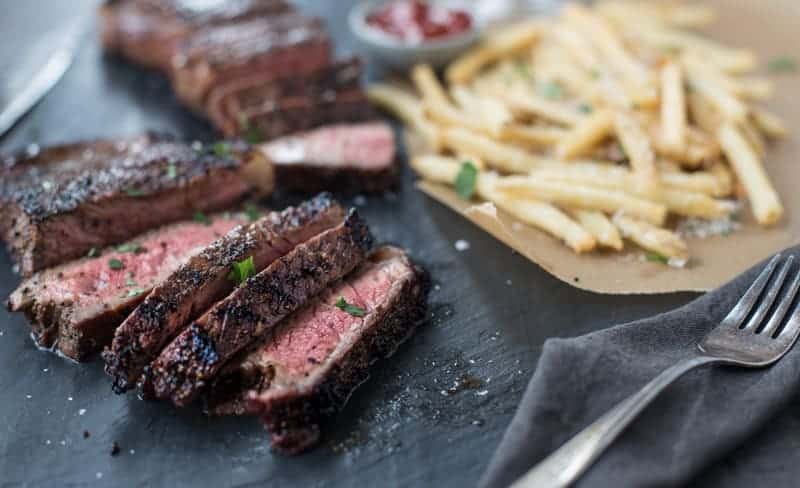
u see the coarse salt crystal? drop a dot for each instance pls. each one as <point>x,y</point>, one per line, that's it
<point>482,392</point>
<point>461,245</point>
<point>81,411</point>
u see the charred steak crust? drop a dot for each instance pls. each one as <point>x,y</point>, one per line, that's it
<point>293,415</point>
<point>202,281</point>
<point>77,306</point>
<point>190,362</point>
<point>59,210</point>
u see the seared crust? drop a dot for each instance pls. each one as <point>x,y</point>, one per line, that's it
<point>202,281</point>
<point>184,367</point>
<point>293,416</point>
<point>342,180</point>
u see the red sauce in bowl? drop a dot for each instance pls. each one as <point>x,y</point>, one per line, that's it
<point>416,21</point>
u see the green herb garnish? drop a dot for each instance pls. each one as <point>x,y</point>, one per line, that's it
<point>585,108</point>
<point>657,258</point>
<point>595,74</point>
<point>782,64</point>
<point>466,179</point>
<point>172,171</point>
<point>551,90</point>
<point>134,293</point>
<point>135,192</point>
<point>242,270</point>
<point>131,248</point>
<point>252,211</point>
<point>252,134</point>
<point>201,218</point>
<point>129,280</point>
<point>115,264</point>
<point>353,310</point>
<point>522,69</point>
<point>221,149</point>
<point>93,253</point>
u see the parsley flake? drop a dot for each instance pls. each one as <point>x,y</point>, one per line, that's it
<point>201,218</point>
<point>657,258</point>
<point>135,192</point>
<point>115,264</point>
<point>132,248</point>
<point>252,211</point>
<point>522,69</point>
<point>353,310</point>
<point>172,171</point>
<point>242,270</point>
<point>134,293</point>
<point>551,90</point>
<point>466,179</point>
<point>221,149</point>
<point>252,134</point>
<point>585,108</point>
<point>93,253</point>
<point>782,64</point>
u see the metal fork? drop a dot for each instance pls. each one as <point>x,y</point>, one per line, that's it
<point>753,335</point>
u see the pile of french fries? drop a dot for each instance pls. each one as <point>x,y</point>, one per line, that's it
<point>599,125</point>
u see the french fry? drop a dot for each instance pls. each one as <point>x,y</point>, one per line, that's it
<point>604,232</point>
<point>673,108</point>
<point>764,199</point>
<point>447,115</point>
<point>637,146</point>
<point>496,154</point>
<point>703,80</point>
<point>428,85</point>
<point>585,135</point>
<point>530,135</point>
<point>405,107</point>
<point>585,197</point>
<point>496,114</point>
<point>531,104</point>
<point>652,238</point>
<point>769,124</point>
<point>439,169</point>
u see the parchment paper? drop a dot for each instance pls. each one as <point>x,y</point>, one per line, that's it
<point>770,28</point>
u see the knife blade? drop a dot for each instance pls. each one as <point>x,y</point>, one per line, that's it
<point>44,78</point>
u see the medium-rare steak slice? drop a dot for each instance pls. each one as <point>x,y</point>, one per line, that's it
<point>284,44</point>
<point>58,209</point>
<point>203,280</point>
<point>148,32</point>
<point>77,306</point>
<point>269,105</point>
<point>314,360</point>
<point>192,360</point>
<point>346,158</point>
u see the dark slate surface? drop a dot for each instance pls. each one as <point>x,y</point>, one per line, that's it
<point>491,312</point>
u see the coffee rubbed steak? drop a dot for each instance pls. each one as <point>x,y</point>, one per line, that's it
<point>347,158</point>
<point>285,44</point>
<point>58,209</point>
<point>149,32</point>
<point>192,360</point>
<point>76,307</point>
<point>204,280</point>
<point>310,365</point>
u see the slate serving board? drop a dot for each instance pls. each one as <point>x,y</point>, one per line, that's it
<point>430,416</point>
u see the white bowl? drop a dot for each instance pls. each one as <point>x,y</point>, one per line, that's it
<point>391,52</point>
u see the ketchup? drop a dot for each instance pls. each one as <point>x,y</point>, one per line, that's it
<point>415,21</point>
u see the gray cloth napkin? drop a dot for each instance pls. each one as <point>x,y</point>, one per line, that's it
<point>689,427</point>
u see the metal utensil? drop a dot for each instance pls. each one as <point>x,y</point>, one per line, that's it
<point>44,77</point>
<point>757,332</point>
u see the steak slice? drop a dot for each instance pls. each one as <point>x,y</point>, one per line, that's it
<point>284,44</point>
<point>56,209</point>
<point>346,158</point>
<point>148,32</point>
<point>77,306</point>
<point>269,104</point>
<point>203,280</point>
<point>192,360</point>
<point>310,365</point>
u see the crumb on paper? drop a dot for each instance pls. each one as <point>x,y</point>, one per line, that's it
<point>461,245</point>
<point>81,411</point>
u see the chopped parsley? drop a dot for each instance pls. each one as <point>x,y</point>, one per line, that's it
<point>595,74</point>
<point>135,192</point>
<point>654,257</point>
<point>221,149</point>
<point>782,64</point>
<point>172,171</point>
<point>130,281</point>
<point>252,134</point>
<point>466,179</point>
<point>115,264</point>
<point>242,270</point>
<point>201,218</point>
<point>522,69</point>
<point>353,310</point>
<point>132,248</point>
<point>93,253</point>
<point>551,90</point>
<point>134,293</point>
<point>252,211</point>
<point>585,108</point>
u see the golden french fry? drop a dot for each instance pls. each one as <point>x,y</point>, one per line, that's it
<point>652,238</point>
<point>496,154</point>
<point>585,197</point>
<point>440,169</point>
<point>770,124</point>
<point>703,80</point>
<point>636,144</point>
<point>604,232</point>
<point>673,108</point>
<point>530,135</point>
<point>750,171</point>
<point>446,115</point>
<point>428,85</point>
<point>405,107</point>
<point>531,104</point>
<point>493,111</point>
<point>585,135</point>
<point>754,137</point>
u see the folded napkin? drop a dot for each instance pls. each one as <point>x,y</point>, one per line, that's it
<point>689,427</point>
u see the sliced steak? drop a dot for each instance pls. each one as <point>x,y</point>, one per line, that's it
<point>285,44</point>
<point>203,280</point>
<point>56,209</point>
<point>346,158</point>
<point>190,362</point>
<point>77,306</point>
<point>148,32</point>
<point>314,360</point>
<point>270,104</point>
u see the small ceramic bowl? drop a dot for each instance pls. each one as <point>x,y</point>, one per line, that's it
<point>393,53</point>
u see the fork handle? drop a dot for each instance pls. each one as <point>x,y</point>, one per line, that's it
<point>565,465</point>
